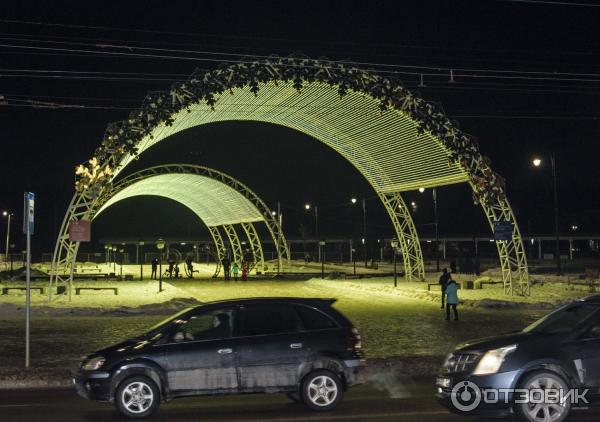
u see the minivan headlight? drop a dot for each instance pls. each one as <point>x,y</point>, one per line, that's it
<point>94,363</point>
<point>492,360</point>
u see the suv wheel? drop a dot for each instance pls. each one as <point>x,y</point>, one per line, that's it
<point>541,412</point>
<point>321,390</point>
<point>137,397</point>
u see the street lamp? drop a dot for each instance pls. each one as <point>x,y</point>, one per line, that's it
<point>8,216</point>
<point>307,208</point>
<point>141,252</point>
<point>537,162</point>
<point>435,224</point>
<point>122,252</point>
<point>160,245</point>
<point>364,238</point>
<point>321,244</point>
<point>394,244</point>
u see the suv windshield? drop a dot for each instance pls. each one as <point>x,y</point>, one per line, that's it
<point>562,321</point>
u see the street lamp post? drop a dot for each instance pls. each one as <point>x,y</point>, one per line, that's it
<point>364,210</point>
<point>8,216</point>
<point>321,244</point>
<point>394,244</point>
<point>122,252</point>
<point>307,208</point>
<point>364,237</point>
<point>537,162</point>
<point>141,249</point>
<point>435,225</point>
<point>160,245</point>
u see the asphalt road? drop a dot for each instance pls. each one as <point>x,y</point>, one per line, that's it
<point>364,403</point>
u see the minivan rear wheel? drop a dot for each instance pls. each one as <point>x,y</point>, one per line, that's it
<point>137,397</point>
<point>542,412</point>
<point>321,390</point>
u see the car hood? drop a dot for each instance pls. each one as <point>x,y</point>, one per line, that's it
<point>496,342</point>
<point>124,348</point>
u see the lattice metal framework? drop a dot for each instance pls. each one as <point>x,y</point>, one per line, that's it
<point>395,139</point>
<point>218,199</point>
<point>234,244</point>
<point>220,248</point>
<point>255,246</point>
<point>408,241</point>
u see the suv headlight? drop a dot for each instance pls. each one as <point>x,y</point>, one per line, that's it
<point>94,363</point>
<point>492,360</point>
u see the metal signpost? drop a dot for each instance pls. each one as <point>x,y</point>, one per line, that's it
<point>28,218</point>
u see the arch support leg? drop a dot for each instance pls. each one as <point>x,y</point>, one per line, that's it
<point>219,246</point>
<point>406,232</point>
<point>513,261</point>
<point>65,251</point>
<point>281,245</point>
<point>256,246</point>
<point>234,241</point>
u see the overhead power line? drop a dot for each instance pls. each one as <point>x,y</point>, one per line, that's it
<point>554,3</point>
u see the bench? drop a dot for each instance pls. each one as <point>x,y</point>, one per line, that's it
<point>79,289</point>
<point>430,285</point>
<point>5,290</point>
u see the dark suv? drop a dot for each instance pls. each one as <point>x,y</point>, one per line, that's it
<point>302,347</point>
<point>538,374</point>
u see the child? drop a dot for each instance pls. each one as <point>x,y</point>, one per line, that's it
<point>235,269</point>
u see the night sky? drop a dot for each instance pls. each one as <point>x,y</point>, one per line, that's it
<point>527,81</point>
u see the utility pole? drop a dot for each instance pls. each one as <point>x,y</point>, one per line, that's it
<point>317,230</point>
<point>553,163</point>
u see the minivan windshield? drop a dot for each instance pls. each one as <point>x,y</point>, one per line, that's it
<point>563,320</point>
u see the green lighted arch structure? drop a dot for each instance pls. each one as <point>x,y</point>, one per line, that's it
<point>220,201</point>
<point>396,140</point>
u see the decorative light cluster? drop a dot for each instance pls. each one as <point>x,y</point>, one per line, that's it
<point>92,176</point>
<point>121,138</point>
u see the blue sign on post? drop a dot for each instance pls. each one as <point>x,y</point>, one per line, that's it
<point>28,212</point>
<point>503,230</point>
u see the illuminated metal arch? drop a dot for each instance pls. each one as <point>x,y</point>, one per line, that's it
<point>255,211</point>
<point>220,249</point>
<point>396,140</point>
<point>255,246</point>
<point>234,243</point>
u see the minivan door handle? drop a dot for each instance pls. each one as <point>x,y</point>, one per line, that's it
<point>224,351</point>
<point>296,346</point>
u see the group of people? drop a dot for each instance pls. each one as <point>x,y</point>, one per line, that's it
<point>449,294</point>
<point>172,270</point>
<point>234,269</point>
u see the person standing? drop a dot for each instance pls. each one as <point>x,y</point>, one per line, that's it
<point>235,269</point>
<point>245,271</point>
<point>451,299</point>
<point>154,268</point>
<point>444,278</point>
<point>226,267</point>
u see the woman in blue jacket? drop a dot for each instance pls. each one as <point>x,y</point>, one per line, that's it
<point>451,299</point>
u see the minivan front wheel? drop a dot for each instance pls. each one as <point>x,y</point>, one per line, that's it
<point>137,397</point>
<point>321,390</point>
<point>538,410</point>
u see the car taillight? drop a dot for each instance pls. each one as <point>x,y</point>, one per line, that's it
<point>356,339</point>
